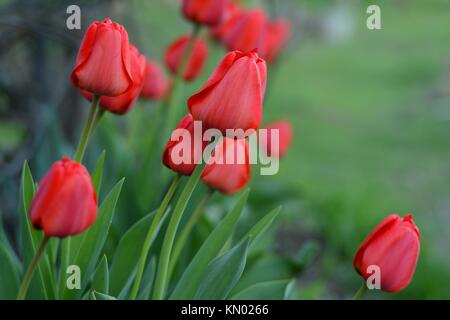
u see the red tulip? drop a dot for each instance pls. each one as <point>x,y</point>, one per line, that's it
<point>65,203</point>
<point>277,34</point>
<point>155,84</point>
<point>231,170</point>
<point>103,64</point>
<point>197,58</point>
<point>232,98</point>
<point>208,12</point>
<point>394,247</point>
<point>121,104</point>
<point>231,10</point>
<point>284,138</point>
<point>246,31</point>
<point>174,157</point>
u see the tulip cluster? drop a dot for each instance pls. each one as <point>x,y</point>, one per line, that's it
<point>112,73</point>
<point>248,29</point>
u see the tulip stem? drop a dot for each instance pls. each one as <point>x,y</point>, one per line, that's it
<point>30,271</point>
<point>162,277</point>
<point>91,123</point>
<point>151,235</point>
<point>184,234</point>
<point>360,292</point>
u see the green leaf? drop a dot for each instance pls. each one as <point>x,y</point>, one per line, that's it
<point>43,282</point>
<point>100,296</point>
<point>269,290</point>
<point>262,225</point>
<point>147,280</point>
<point>93,239</point>
<point>188,284</point>
<point>223,273</point>
<point>9,276</point>
<point>128,252</point>
<point>5,241</point>
<point>97,174</point>
<point>100,282</point>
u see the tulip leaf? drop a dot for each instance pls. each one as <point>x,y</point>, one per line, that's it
<point>100,296</point>
<point>128,252</point>
<point>223,273</point>
<point>268,290</point>
<point>188,284</point>
<point>30,240</point>
<point>9,276</point>
<point>262,225</point>
<point>97,174</point>
<point>147,280</point>
<point>100,281</point>
<point>93,239</point>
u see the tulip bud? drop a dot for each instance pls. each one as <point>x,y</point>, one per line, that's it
<point>121,104</point>
<point>183,140</point>
<point>65,203</point>
<point>228,169</point>
<point>284,138</point>
<point>232,98</point>
<point>195,62</point>
<point>393,247</point>
<point>155,84</point>
<point>208,12</point>
<point>277,35</point>
<point>246,31</point>
<point>103,64</point>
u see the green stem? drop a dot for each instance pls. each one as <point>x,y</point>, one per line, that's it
<point>162,278</point>
<point>87,130</point>
<point>29,274</point>
<point>169,237</point>
<point>184,234</point>
<point>151,234</point>
<point>360,292</point>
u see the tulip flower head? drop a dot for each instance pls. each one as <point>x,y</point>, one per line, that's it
<point>65,203</point>
<point>245,31</point>
<point>276,37</point>
<point>207,12</point>
<point>103,64</point>
<point>183,141</point>
<point>284,138</point>
<point>232,98</point>
<point>393,247</point>
<point>121,104</point>
<point>228,169</point>
<point>231,11</point>
<point>155,84</point>
<point>195,62</point>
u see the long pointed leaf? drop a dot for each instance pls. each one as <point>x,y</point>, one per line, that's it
<point>128,252</point>
<point>268,290</point>
<point>188,284</point>
<point>93,240</point>
<point>223,273</point>
<point>30,239</point>
<point>9,275</point>
<point>100,282</point>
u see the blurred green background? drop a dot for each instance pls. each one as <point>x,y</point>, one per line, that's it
<point>370,109</point>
